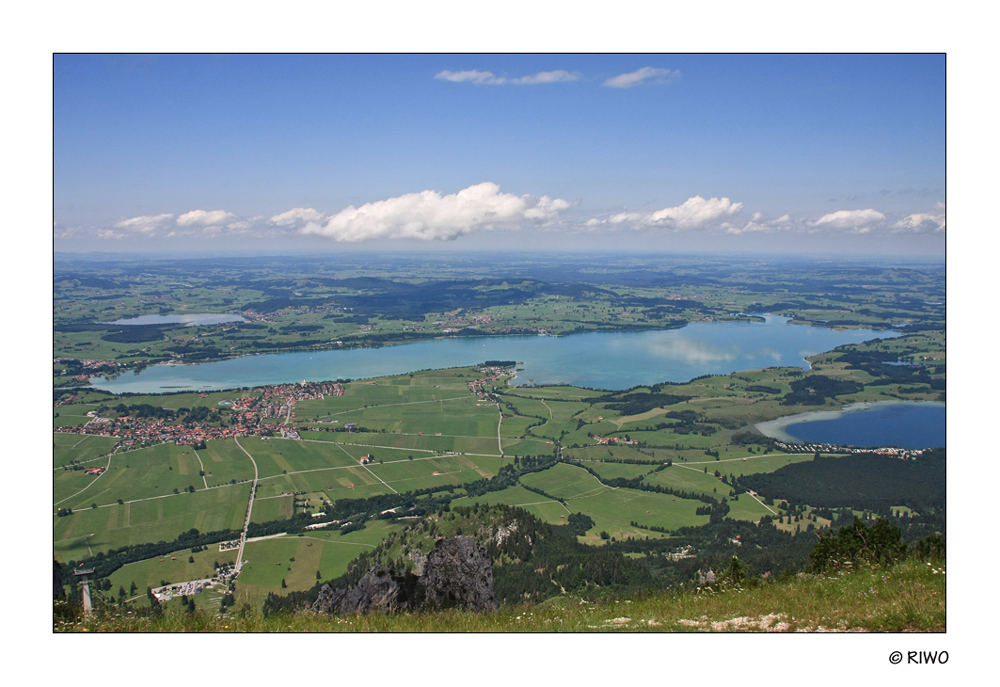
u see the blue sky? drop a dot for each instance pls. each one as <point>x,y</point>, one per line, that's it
<point>270,153</point>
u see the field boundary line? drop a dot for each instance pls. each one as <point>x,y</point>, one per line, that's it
<point>754,497</point>
<point>246,525</point>
<point>106,468</point>
<point>203,479</point>
<point>379,479</point>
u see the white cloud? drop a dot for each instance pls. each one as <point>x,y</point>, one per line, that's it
<point>295,216</point>
<point>783,223</point>
<point>857,221</point>
<point>473,75</point>
<point>205,218</point>
<point>645,75</point>
<point>923,221</point>
<point>429,216</point>
<point>145,224</point>
<point>631,217</point>
<point>557,76</point>
<point>696,212</point>
<point>490,79</point>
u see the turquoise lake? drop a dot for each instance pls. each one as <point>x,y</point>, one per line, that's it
<point>600,360</point>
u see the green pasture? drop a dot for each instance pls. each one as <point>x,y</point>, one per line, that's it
<point>431,472</point>
<point>207,511</point>
<point>67,483</point>
<point>268,561</point>
<point>528,446</point>
<point>693,480</point>
<point>536,504</point>
<point>223,462</point>
<point>612,452</point>
<point>528,406</point>
<point>142,474</point>
<point>152,520</point>
<point>615,470</point>
<point>747,507</point>
<point>401,443</point>
<point>270,508</point>
<point>278,456</point>
<point>518,426</point>
<point>336,483</point>
<point>564,481</point>
<point>71,415</point>
<point>82,448</point>
<point>613,510</point>
<point>556,393</point>
<point>188,400</point>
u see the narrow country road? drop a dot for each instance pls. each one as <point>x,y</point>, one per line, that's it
<point>246,524</point>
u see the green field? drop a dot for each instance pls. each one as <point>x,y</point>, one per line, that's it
<point>616,470</point>
<point>326,552</point>
<point>151,520</point>
<point>76,447</point>
<point>550,511</point>
<point>565,482</point>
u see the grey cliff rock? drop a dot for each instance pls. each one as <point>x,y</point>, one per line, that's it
<point>457,574</point>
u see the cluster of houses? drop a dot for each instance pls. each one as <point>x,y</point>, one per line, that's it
<point>491,375</point>
<point>604,441</point>
<point>248,420</point>
<point>901,453</point>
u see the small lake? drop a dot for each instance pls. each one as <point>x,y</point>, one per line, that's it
<point>192,320</point>
<point>600,360</point>
<point>892,423</point>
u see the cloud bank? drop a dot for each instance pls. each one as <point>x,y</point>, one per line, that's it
<point>483,78</point>
<point>694,213</point>
<point>205,218</point>
<point>921,222</point>
<point>430,216</point>
<point>643,76</point>
<point>856,221</point>
<point>296,216</point>
<point>145,224</point>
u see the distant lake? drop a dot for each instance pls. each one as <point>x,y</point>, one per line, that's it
<point>891,423</point>
<point>601,360</point>
<point>192,320</point>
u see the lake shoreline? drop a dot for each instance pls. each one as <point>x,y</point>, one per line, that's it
<point>775,429</point>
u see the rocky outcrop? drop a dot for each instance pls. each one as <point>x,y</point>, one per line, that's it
<point>457,573</point>
<point>381,589</point>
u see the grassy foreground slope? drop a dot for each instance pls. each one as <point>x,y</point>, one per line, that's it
<point>909,596</point>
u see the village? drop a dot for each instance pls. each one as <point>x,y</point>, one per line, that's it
<point>258,414</point>
<point>249,418</point>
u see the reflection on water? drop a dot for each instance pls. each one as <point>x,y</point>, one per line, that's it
<point>692,351</point>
